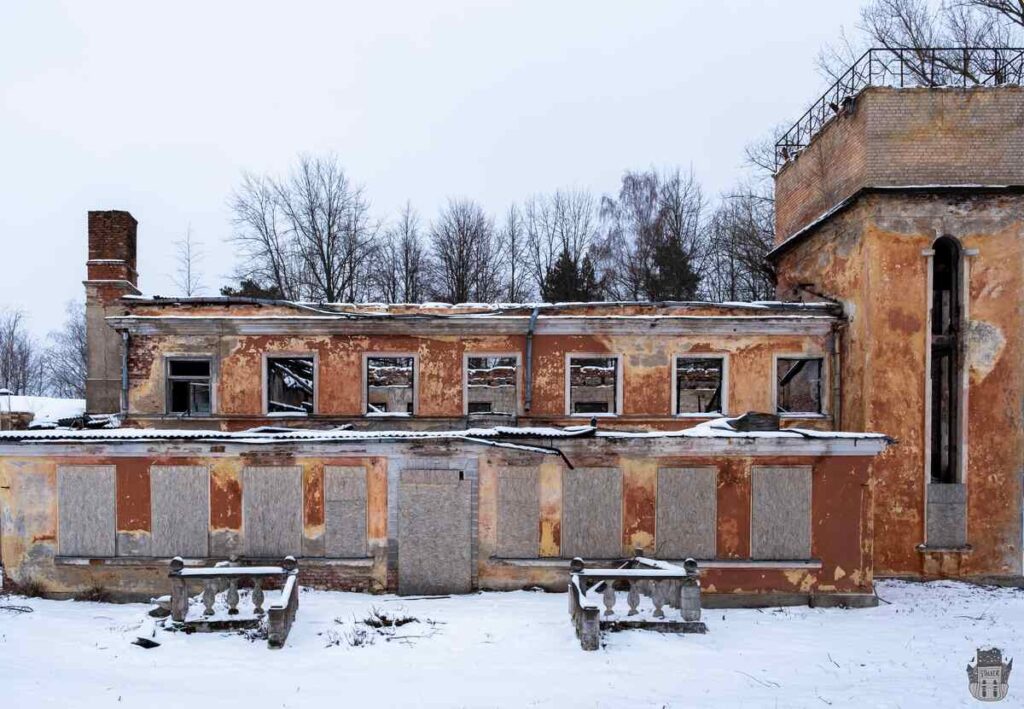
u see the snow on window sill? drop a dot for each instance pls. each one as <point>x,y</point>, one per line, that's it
<point>388,414</point>
<point>593,416</point>
<point>287,414</point>
<point>803,415</point>
<point>698,415</point>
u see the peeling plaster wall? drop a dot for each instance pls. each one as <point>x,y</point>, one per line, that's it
<point>646,373</point>
<point>840,534</point>
<point>870,258</point>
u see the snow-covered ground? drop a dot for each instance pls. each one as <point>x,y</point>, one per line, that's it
<point>517,649</point>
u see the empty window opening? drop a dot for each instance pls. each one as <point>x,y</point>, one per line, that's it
<point>491,385</point>
<point>593,385</point>
<point>390,386</point>
<point>290,385</point>
<point>945,370</point>
<point>699,385</point>
<point>188,387</point>
<point>799,386</point>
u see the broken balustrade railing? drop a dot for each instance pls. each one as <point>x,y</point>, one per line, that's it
<point>594,595</point>
<point>228,577</point>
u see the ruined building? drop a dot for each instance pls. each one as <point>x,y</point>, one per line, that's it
<point>435,448</point>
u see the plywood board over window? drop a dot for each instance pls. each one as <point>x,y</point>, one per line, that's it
<point>344,511</point>
<point>272,511</point>
<point>518,512</point>
<point>87,510</point>
<point>180,498</point>
<point>592,513</point>
<point>686,513</point>
<point>780,515</point>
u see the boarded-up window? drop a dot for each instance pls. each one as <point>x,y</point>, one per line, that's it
<point>686,513</point>
<point>780,524</point>
<point>344,511</point>
<point>518,512</point>
<point>272,511</point>
<point>180,498</point>
<point>86,499</point>
<point>592,513</point>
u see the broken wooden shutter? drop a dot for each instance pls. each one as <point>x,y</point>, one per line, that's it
<point>592,513</point>
<point>686,513</point>
<point>272,511</point>
<point>344,511</point>
<point>518,512</point>
<point>780,524</point>
<point>180,499</point>
<point>87,510</point>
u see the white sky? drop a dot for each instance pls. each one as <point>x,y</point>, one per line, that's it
<point>158,108</point>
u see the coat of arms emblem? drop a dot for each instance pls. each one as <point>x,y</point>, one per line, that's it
<point>989,676</point>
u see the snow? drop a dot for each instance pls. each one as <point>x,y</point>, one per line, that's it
<point>47,409</point>
<point>516,649</point>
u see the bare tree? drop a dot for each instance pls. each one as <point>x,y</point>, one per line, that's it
<point>914,28</point>
<point>399,271</point>
<point>188,278</point>
<point>741,234</point>
<point>566,222</point>
<point>654,242</point>
<point>466,263</point>
<point>66,355</point>
<point>309,235</point>
<point>514,255</point>
<point>21,363</point>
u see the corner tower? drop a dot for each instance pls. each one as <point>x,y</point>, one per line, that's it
<point>904,201</point>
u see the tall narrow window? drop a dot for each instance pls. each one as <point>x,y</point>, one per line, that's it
<point>491,385</point>
<point>390,386</point>
<point>290,385</point>
<point>799,386</point>
<point>699,385</point>
<point>945,350</point>
<point>593,385</point>
<point>188,387</point>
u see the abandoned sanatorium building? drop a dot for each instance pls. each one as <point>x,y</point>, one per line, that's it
<point>434,448</point>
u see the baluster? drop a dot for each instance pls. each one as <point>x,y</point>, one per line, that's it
<point>257,595</point>
<point>633,597</point>
<point>658,596</point>
<point>609,598</point>
<point>209,595</point>
<point>233,596</point>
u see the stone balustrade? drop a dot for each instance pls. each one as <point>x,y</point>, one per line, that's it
<point>226,577</point>
<point>663,584</point>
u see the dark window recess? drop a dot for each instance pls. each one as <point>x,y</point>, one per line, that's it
<point>799,386</point>
<point>491,381</point>
<point>390,385</point>
<point>698,385</point>
<point>188,387</point>
<point>945,350</point>
<point>593,385</point>
<point>290,385</point>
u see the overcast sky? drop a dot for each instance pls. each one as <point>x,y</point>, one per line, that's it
<point>159,108</point>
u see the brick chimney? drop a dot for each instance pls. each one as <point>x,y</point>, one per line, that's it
<point>111,275</point>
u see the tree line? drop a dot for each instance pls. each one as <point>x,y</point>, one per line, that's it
<point>310,235</point>
<point>54,366</point>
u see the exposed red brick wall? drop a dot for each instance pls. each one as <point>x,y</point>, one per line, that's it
<point>112,238</point>
<point>896,137</point>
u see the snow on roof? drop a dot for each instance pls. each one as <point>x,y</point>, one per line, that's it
<point>717,428</point>
<point>46,409</point>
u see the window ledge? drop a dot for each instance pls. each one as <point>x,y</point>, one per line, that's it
<point>593,416</point>
<point>799,415</point>
<point>559,563</point>
<point>925,549</point>
<point>710,415</point>
<point>148,561</point>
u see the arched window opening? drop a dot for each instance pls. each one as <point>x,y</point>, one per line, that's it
<point>945,350</point>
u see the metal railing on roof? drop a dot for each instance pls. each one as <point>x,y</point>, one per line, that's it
<point>925,67</point>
